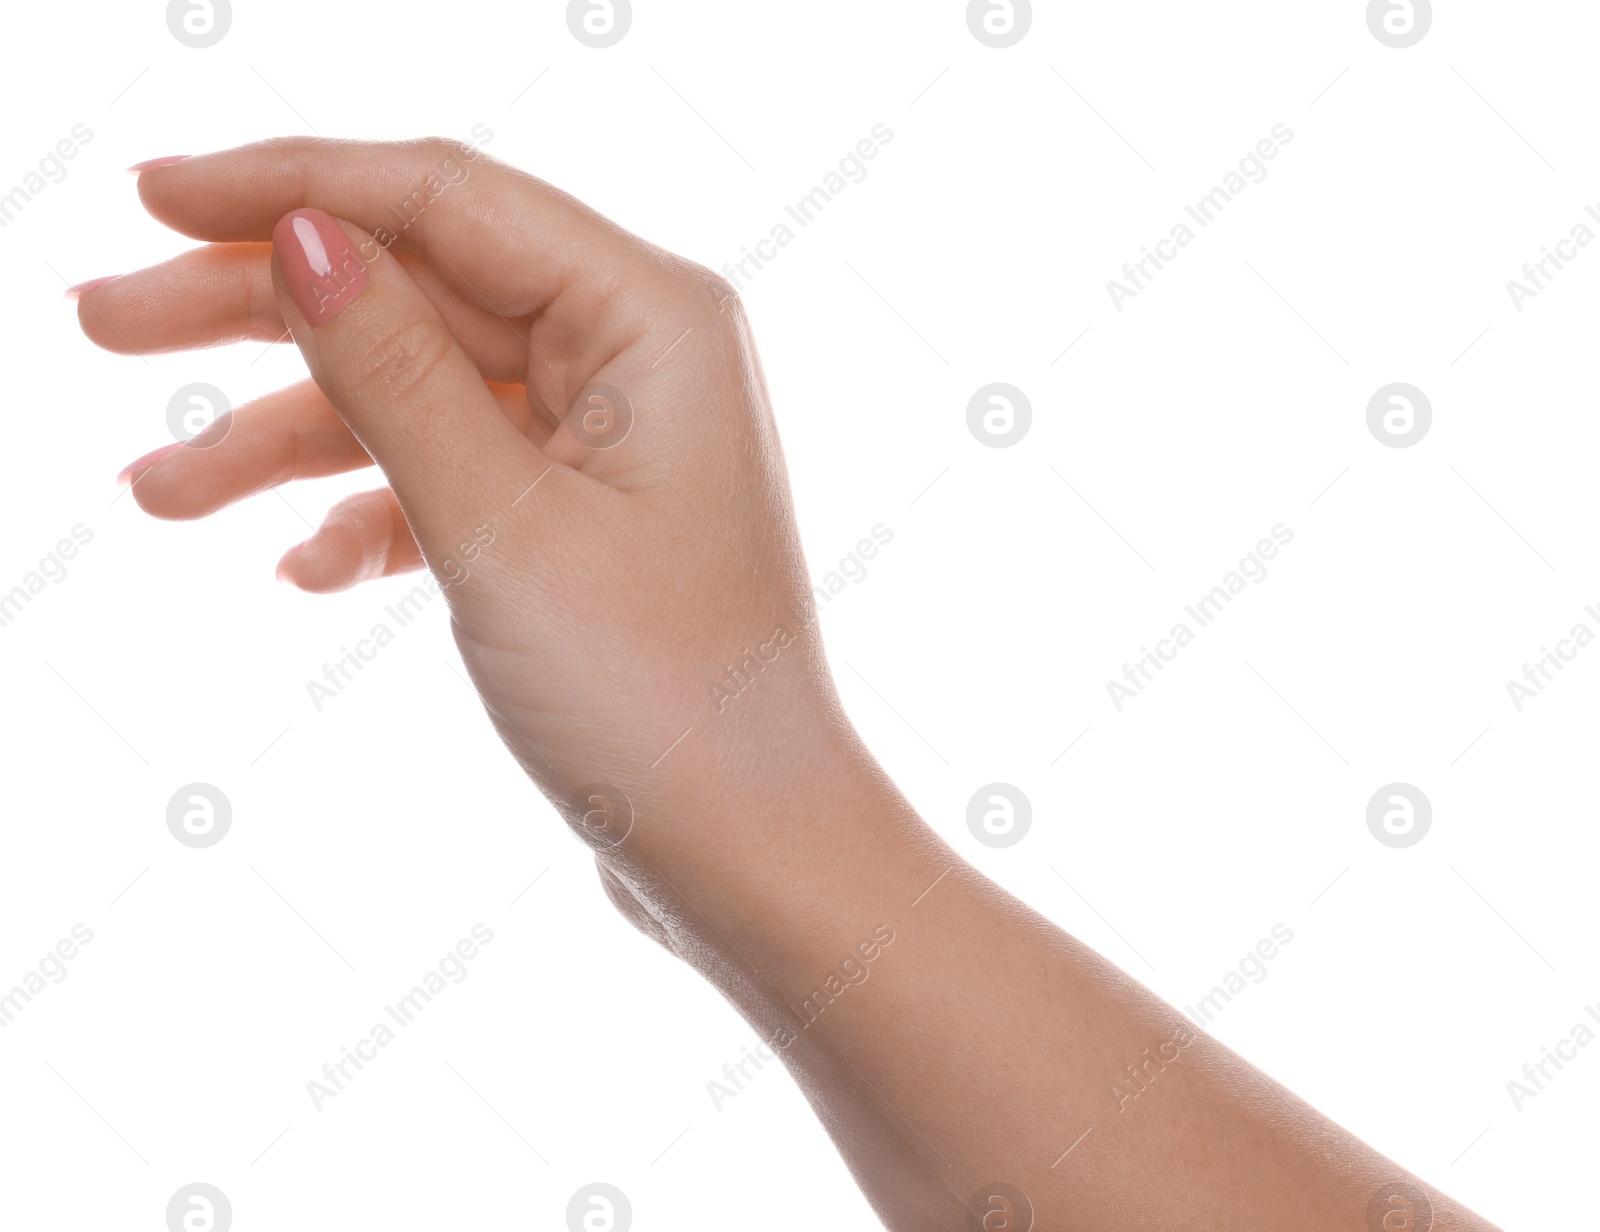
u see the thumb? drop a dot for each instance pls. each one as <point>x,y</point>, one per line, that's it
<point>380,351</point>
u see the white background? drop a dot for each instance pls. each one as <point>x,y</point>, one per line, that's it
<point>370,836</point>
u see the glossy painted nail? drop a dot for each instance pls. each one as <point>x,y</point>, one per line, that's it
<point>150,164</point>
<point>83,288</point>
<point>321,266</point>
<point>139,465</point>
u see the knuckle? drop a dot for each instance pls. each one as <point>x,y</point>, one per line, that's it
<point>724,295</point>
<point>402,360</point>
<point>711,294</point>
<point>259,297</point>
<point>438,148</point>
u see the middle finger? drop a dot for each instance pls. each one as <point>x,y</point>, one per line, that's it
<point>222,293</point>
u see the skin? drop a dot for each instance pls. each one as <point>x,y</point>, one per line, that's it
<point>752,835</point>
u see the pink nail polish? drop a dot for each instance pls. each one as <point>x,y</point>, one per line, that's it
<point>83,288</point>
<point>150,164</point>
<point>138,466</point>
<point>323,269</point>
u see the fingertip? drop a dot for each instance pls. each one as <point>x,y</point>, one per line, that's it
<point>284,573</point>
<point>305,568</point>
<point>134,471</point>
<point>106,308</point>
<point>167,198</point>
<point>320,566</point>
<point>161,491</point>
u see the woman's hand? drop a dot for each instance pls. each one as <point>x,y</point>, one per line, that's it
<point>577,439</point>
<point>576,435</point>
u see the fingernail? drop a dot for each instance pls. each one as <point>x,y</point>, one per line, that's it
<point>321,266</point>
<point>150,164</point>
<point>138,466</point>
<point>83,288</point>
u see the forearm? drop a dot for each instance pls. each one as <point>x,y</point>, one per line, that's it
<point>953,1041</point>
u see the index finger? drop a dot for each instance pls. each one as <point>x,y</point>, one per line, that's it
<point>505,238</point>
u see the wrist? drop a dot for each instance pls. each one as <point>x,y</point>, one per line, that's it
<point>772,876</point>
